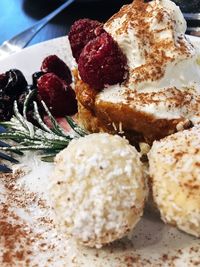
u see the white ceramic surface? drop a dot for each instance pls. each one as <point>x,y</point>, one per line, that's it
<point>32,239</point>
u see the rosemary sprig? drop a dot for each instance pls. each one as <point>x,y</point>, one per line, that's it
<point>75,126</point>
<point>43,138</point>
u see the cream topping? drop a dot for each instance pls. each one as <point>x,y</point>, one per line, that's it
<point>152,35</point>
<point>170,103</point>
<point>160,57</point>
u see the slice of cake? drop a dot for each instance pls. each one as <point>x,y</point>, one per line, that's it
<point>145,83</point>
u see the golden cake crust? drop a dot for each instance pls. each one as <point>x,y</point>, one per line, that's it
<point>122,118</point>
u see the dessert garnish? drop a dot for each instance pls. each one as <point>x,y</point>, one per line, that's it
<point>102,62</point>
<point>81,32</point>
<point>57,94</point>
<point>98,189</point>
<point>35,76</point>
<point>3,80</point>
<point>30,107</point>
<point>52,84</point>
<point>12,85</point>
<point>40,138</point>
<point>15,82</point>
<point>57,66</point>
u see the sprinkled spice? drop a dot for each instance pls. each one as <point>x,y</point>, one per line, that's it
<point>12,233</point>
<point>20,239</point>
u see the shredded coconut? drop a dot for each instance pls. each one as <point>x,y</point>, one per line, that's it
<point>175,171</point>
<point>98,189</point>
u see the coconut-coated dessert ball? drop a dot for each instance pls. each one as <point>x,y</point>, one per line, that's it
<point>98,189</point>
<point>175,172</point>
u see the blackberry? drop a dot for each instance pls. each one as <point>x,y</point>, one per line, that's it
<point>36,76</point>
<point>6,107</point>
<point>16,83</point>
<point>3,80</point>
<point>30,109</point>
<point>12,84</point>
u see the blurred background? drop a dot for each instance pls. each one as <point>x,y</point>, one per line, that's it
<point>17,15</point>
<point>189,6</point>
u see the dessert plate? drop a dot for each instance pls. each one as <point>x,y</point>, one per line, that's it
<point>28,236</point>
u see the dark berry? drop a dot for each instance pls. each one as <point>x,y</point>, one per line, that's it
<point>102,62</point>
<point>30,87</point>
<point>6,107</point>
<point>5,113</point>
<point>56,94</point>
<point>13,86</point>
<point>16,83</point>
<point>36,76</point>
<point>30,108</point>
<point>20,101</point>
<point>57,66</point>
<point>81,32</point>
<point>71,107</point>
<point>3,80</point>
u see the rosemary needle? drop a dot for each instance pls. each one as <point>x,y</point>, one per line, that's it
<point>42,138</point>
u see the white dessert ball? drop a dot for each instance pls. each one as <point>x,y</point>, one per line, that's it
<point>175,172</point>
<point>98,189</point>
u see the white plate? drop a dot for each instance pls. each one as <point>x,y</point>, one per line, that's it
<point>28,235</point>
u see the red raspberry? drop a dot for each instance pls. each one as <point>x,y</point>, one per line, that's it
<point>81,32</point>
<point>56,65</point>
<point>57,94</point>
<point>102,62</point>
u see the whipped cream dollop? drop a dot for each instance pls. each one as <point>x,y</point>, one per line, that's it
<point>152,36</point>
<point>161,59</point>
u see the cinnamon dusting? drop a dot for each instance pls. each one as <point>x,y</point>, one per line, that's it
<point>18,238</point>
<point>148,21</point>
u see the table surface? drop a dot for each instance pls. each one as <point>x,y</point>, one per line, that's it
<point>17,15</point>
